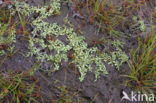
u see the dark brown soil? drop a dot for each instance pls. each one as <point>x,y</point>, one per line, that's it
<point>107,89</point>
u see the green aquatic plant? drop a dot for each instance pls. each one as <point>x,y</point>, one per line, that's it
<point>58,47</point>
<point>118,57</point>
<point>46,44</point>
<point>84,57</point>
<point>142,26</point>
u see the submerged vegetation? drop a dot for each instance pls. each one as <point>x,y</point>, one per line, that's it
<point>54,46</point>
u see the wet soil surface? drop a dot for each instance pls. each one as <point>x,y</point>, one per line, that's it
<point>107,89</point>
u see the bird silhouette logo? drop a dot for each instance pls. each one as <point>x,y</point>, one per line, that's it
<point>125,96</point>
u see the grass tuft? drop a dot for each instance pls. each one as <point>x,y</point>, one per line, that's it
<point>18,87</point>
<point>143,64</point>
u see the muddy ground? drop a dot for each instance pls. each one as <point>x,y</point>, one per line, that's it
<point>107,89</point>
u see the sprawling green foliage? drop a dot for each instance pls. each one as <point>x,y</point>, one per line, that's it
<point>46,45</point>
